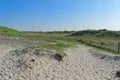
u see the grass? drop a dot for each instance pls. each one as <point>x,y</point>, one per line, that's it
<point>4,31</point>
<point>59,40</point>
<point>65,39</point>
<point>109,39</point>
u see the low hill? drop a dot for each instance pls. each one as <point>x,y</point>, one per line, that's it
<point>4,31</point>
<point>97,33</point>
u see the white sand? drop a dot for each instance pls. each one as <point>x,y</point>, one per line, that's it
<point>79,64</point>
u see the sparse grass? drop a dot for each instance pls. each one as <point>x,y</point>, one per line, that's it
<point>58,45</point>
<point>59,40</point>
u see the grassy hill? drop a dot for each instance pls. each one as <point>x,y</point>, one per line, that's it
<point>97,33</point>
<point>4,31</point>
<point>103,39</point>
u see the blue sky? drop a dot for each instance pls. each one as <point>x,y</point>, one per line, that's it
<point>52,15</point>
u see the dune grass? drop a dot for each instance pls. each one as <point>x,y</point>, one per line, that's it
<point>102,39</point>
<point>57,38</point>
<point>64,40</point>
<point>4,31</point>
<point>60,42</point>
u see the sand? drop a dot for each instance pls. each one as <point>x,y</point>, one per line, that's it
<point>81,63</point>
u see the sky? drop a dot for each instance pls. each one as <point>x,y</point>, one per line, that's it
<point>60,15</point>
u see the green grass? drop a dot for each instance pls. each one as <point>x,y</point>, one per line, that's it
<point>98,33</point>
<point>96,37</point>
<point>4,31</point>
<point>67,39</point>
<point>57,38</point>
<point>60,40</point>
<point>64,40</point>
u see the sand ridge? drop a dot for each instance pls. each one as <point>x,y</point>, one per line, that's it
<point>79,64</point>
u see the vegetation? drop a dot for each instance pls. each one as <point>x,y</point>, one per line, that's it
<point>59,40</point>
<point>97,33</point>
<point>4,31</point>
<point>103,39</point>
<point>55,37</point>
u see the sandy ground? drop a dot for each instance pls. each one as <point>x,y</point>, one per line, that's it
<point>81,63</point>
<point>8,44</point>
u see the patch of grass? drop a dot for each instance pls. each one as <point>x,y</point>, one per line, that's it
<point>59,46</point>
<point>103,47</point>
<point>102,42</point>
<point>4,31</point>
<point>98,33</point>
<point>60,41</point>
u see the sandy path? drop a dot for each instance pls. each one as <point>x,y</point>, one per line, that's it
<point>79,64</point>
<point>87,67</point>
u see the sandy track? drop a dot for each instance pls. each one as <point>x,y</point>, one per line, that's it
<point>88,67</point>
<point>79,64</point>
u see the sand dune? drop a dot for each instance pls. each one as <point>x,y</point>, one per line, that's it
<point>80,64</point>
